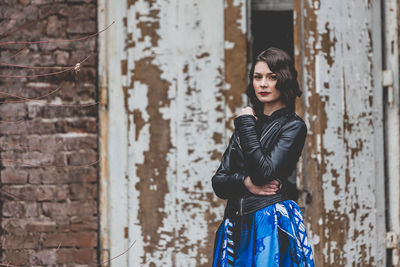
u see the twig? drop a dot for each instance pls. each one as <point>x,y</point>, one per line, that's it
<point>108,261</point>
<point>35,67</point>
<point>57,41</point>
<point>24,98</point>
<point>20,51</point>
<point>46,74</point>
<point>35,99</point>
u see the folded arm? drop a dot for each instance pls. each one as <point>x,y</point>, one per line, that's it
<point>228,184</point>
<point>282,158</point>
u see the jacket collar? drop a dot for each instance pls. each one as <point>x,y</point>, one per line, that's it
<point>276,114</point>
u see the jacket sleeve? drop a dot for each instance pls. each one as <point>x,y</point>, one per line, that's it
<point>226,183</point>
<point>282,159</point>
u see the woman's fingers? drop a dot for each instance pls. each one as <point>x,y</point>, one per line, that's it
<point>274,182</point>
<point>246,111</point>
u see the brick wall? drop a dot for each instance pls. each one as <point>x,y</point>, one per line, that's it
<point>49,213</point>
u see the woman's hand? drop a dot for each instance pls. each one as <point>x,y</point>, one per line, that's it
<point>265,190</point>
<point>246,111</point>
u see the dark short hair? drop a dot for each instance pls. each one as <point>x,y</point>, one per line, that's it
<point>280,63</point>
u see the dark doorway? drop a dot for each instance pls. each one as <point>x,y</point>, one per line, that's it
<point>271,29</point>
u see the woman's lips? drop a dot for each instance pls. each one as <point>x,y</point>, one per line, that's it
<point>264,93</point>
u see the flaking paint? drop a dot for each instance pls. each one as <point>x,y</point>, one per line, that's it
<point>172,90</point>
<point>338,60</point>
<point>235,57</point>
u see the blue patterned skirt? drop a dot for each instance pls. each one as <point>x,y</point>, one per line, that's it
<point>272,236</point>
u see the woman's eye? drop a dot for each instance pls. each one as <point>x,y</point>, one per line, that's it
<point>257,77</point>
<point>273,77</point>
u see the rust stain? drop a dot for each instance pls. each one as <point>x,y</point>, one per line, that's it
<point>103,116</point>
<point>126,232</point>
<point>139,122</point>
<point>149,28</point>
<point>216,155</point>
<point>189,89</point>
<point>125,90</point>
<point>131,2</point>
<point>203,55</point>
<point>217,138</point>
<point>327,44</point>
<point>125,21</point>
<point>154,169</point>
<point>124,67</point>
<point>235,58</point>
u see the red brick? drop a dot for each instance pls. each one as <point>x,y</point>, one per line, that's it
<point>84,223</point>
<point>12,112</point>
<point>44,111</point>
<point>13,225</point>
<point>14,176</point>
<point>15,257</point>
<point>57,201</point>
<point>20,209</point>
<point>79,256</point>
<point>43,257</point>
<point>81,26</point>
<point>41,226</point>
<point>62,57</point>
<point>63,175</point>
<point>81,158</point>
<point>72,208</point>
<point>83,191</point>
<point>63,224</point>
<point>55,26</point>
<point>86,142</point>
<point>81,240</point>
<point>38,192</point>
<point>78,11</point>
<point>20,241</point>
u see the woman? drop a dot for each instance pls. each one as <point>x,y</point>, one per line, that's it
<point>261,226</point>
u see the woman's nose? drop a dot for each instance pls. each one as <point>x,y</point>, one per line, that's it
<point>264,82</point>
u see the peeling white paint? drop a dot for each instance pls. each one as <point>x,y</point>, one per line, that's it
<point>343,80</point>
<point>190,37</point>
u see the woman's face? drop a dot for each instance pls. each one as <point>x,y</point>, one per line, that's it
<point>264,82</point>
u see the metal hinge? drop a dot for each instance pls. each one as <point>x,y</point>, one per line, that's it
<point>387,81</point>
<point>391,243</point>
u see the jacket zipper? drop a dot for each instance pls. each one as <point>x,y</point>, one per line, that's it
<point>237,140</point>
<point>273,125</point>
<point>241,206</point>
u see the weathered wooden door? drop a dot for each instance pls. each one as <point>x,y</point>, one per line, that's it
<point>172,74</point>
<point>338,50</point>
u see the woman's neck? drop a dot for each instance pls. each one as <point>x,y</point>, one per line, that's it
<point>270,108</point>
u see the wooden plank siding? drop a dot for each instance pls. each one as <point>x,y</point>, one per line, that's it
<point>172,76</point>
<point>338,51</point>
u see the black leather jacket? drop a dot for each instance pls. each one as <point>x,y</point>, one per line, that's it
<point>265,153</point>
